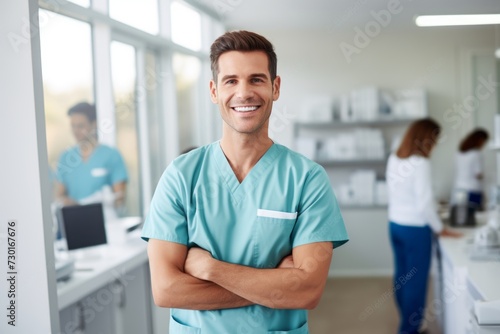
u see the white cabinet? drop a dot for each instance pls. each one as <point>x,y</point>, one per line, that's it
<point>109,295</point>
<point>133,307</point>
<point>462,282</point>
<point>92,314</point>
<point>457,304</point>
<point>122,306</point>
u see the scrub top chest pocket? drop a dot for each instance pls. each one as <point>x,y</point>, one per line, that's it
<point>272,238</point>
<point>98,172</point>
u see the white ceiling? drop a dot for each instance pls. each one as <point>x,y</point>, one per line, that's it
<point>335,14</point>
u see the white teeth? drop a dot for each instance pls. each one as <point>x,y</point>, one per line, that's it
<point>245,109</point>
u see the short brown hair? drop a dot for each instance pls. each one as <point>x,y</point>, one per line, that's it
<point>242,41</point>
<point>474,140</point>
<point>419,139</point>
<point>84,108</point>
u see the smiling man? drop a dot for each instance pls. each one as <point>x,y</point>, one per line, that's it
<point>241,232</point>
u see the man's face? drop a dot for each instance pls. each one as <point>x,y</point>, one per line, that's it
<point>244,91</point>
<point>81,127</point>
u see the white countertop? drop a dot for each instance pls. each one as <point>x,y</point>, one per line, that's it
<point>92,274</point>
<point>483,276</point>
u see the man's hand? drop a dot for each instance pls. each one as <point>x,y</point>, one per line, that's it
<point>67,201</point>
<point>197,262</point>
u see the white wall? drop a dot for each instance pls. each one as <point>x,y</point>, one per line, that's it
<point>24,174</point>
<point>368,252</point>
<point>312,63</point>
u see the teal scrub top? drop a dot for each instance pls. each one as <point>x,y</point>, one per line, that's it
<point>285,201</point>
<point>104,167</point>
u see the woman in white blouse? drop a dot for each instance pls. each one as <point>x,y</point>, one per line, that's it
<point>469,167</point>
<point>413,219</point>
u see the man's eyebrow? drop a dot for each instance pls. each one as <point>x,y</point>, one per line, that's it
<point>228,76</point>
<point>259,75</point>
<point>234,76</point>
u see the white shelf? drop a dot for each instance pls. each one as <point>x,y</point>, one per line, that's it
<point>362,207</point>
<point>354,162</point>
<point>364,123</point>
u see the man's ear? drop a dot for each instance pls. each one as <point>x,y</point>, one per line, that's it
<point>276,88</point>
<point>213,91</point>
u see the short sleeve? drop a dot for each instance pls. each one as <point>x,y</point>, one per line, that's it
<point>166,219</point>
<point>319,218</point>
<point>117,168</point>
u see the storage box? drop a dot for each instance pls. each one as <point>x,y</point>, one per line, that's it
<point>317,109</point>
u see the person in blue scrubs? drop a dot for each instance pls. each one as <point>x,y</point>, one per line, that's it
<point>241,232</point>
<point>89,168</point>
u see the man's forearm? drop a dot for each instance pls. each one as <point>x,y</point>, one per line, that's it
<point>295,286</point>
<point>284,288</point>
<point>188,292</point>
<point>174,287</point>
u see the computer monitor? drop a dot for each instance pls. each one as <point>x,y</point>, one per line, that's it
<point>83,226</point>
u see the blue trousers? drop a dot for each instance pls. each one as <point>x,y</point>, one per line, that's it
<point>412,257</point>
<point>476,199</point>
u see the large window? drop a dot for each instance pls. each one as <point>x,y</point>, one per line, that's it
<point>186,26</point>
<point>187,70</point>
<point>153,81</point>
<point>151,92</point>
<point>83,3</point>
<point>140,14</point>
<point>123,69</point>
<point>67,77</point>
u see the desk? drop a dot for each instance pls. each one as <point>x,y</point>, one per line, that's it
<point>463,281</point>
<point>116,260</point>
<point>114,296</point>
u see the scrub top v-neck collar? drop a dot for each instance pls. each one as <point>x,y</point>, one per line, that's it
<point>237,189</point>
<point>92,154</point>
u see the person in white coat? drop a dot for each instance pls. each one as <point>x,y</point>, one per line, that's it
<point>469,168</point>
<point>413,220</point>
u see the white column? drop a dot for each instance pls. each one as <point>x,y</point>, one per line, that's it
<point>165,19</point>
<point>105,106</point>
<point>142,130</point>
<point>210,115</point>
<point>24,177</point>
<point>100,6</point>
<point>170,123</point>
<point>170,119</point>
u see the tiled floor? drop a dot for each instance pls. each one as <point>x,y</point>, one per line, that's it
<point>357,306</point>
